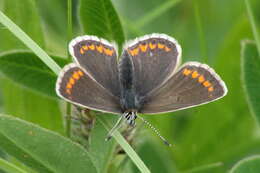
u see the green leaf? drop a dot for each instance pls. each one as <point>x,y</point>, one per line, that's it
<point>9,167</point>
<point>100,18</point>
<point>16,99</point>
<point>247,165</point>
<point>250,63</point>
<point>55,68</point>
<point>31,106</point>
<point>253,25</point>
<point>28,70</point>
<point>42,149</point>
<point>26,17</point>
<point>53,17</point>
<point>100,151</point>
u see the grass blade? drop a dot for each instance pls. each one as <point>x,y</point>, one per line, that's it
<point>18,32</point>
<point>253,25</point>
<point>127,148</point>
<point>9,167</point>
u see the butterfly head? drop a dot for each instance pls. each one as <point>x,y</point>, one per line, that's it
<point>130,117</point>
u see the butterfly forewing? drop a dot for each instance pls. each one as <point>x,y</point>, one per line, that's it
<point>155,58</point>
<point>99,58</point>
<point>192,85</point>
<point>77,87</point>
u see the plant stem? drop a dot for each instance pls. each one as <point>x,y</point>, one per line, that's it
<point>253,25</point>
<point>9,167</point>
<point>68,120</point>
<point>203,48</point>
<point>126,147</point>
<point>69,20</point>
<point>69,36</point>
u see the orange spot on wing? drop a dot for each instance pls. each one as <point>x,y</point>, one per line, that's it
<point>167,49</point>
<point>85,47</point>
<point>143,47</point>
<point>206,84</point>
<point>68,91</point>
<point>80,73</point>
<point>134,52</point>
<point>72,81</point>
<point>210,89</point>
<point>75,75</point>
<point>152,46</point>
<point>186,72</point>
<point>91,47</point>
<point>68,85</point>
<point>99,48</point>
<point>201,79</point>
<point>195,74</point>
<point>81,51</point>
<point>108,51</point>
<point>160,46</point>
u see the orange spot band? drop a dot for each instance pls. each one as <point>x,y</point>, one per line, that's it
<point>201,79</point>
<point>91,47</point>
<point>186,72</point>
<point>195,74</point>
<point>210,89</point>
<point>152,46</point>
<point>206,83</point>
<point>143,47</point>
<point>160,46</point>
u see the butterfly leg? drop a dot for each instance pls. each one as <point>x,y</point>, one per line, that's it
<point>116,126</point>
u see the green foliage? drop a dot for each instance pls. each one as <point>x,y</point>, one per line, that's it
<point>43,111</point>
<point>99,151</point>
<point>99,18</point>
<point>251,75</point>
<point>29,23</point>
<point>42,149</point>
<point>209,139</point>
<point>248,165</point>
<point>28,70</point>
<point>9,167</point>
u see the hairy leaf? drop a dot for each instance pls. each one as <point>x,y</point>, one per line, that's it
<point>41,149</point>
<point>250,63</point>
<point>100,18</point>
<point>28,70</point>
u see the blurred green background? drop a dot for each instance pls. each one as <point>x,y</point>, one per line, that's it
<point>209,138</point>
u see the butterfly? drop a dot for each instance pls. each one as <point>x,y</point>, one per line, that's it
<point>146,79</point>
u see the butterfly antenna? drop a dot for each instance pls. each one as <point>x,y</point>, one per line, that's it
<point>155,130</point>
<point>116,126</point>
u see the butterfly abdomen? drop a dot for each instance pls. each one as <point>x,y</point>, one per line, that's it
<point>128,97</point>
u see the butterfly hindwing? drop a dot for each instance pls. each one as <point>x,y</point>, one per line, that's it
<point>193,84</point>
<point>77,87</point>
<point>99,58</point>
<point>155,58</point>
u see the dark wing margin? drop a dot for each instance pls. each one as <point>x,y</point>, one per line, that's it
<point>77,87</point>
<point>99,58</point>
<point>194,84</point>
<point>155,58</point>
